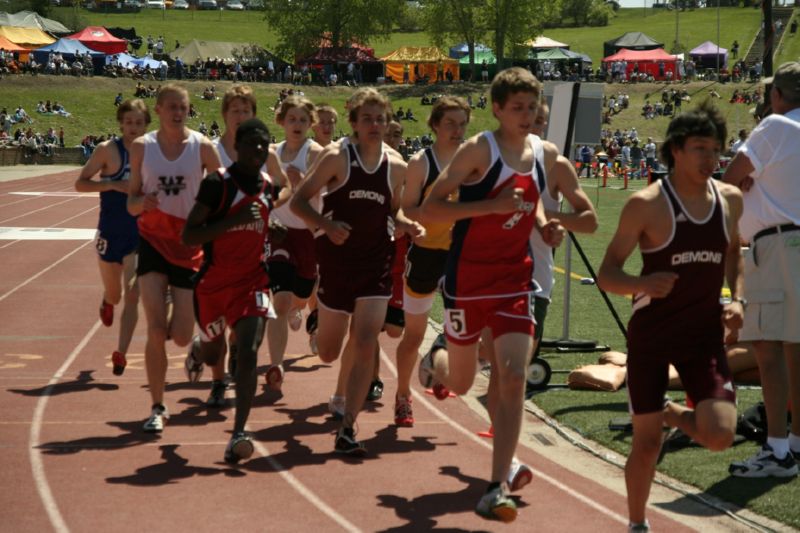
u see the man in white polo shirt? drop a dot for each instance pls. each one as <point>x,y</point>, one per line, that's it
<point>766,168</point>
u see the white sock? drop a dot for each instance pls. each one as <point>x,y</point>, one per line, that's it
<point>794,442</point>
<point>780,447</point>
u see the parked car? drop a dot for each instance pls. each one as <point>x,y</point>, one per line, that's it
<point>234,5</point>
<point>180,4</point>
<point>255,4</point>
<point>207,4</point>
<point>156,4</point>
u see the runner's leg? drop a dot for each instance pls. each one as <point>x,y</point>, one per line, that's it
<point>249,335</point>
<point>153,287</point>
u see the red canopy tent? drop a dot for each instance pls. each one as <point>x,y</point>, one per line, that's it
<point>647,61</point>
<point>98,38</point>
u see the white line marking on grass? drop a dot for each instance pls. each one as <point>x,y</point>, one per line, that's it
<point>482,442</point>
<point>15,289</point>
<point>37,465</point>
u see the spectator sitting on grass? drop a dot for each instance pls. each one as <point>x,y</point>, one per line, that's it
<point>118,100</point>
<point>58,109</point>
<point>192,111</point>
<point>410,115</point>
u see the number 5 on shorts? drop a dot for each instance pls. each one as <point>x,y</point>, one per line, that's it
<point>456,321</point>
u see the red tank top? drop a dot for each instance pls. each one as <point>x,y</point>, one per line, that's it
<point>490,255</point>
<point>690,316</point>
<point>364,201</point>
<point>239,254</point>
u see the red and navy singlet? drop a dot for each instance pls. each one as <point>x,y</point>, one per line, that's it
<point>364,201</point>
<point>691,315</point>
<point>490,255</point>
<point>240,253</point>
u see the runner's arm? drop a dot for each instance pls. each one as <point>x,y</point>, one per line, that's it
<point>733,312</point>
<point>583,218</point>
<point>738,171</point>
<point>412,190</point>
<point>209,156</point>
<point>137,200</point>
<point>399,175</point>
<point>611,276</point>
<point>330,167</point>
<point>470,162</point>
<point>98,162</point>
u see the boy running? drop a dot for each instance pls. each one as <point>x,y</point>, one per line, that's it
<point>167,166</point>
<point>489,273</point>
<point>427,256</point>
<point>230,219</point>
<point>354,246</point>
<point>686,227</point>
<point>117,232</point>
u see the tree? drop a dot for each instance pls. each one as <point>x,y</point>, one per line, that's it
<point>302,26</point>
<point>460,20</point>
<point>516,21</point>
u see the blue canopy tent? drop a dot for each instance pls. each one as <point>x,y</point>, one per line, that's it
<point>68,48</point>
<point>460,50</point>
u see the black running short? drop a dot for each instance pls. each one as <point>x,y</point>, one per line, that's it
<point>424,269</point>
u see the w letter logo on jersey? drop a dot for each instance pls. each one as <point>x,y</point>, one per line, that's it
<point>171,184</point>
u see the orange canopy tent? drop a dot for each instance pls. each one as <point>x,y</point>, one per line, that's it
<point>8,46</point>
<point>420,61</point>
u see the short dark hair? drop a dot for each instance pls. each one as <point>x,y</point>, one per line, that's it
<point>249,127</point>
<point>703,121</point>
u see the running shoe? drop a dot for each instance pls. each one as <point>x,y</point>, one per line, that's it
<point>765,464</point>
<point>192,365</point>
<point>519,475</point>
<point>232,357</point>
<point>375,390</point>
<point>403,414</point>
<point>118,363</point>
<point>336,406</point>
<point>295,319</point>
<point>239,448</point>
<point>311,322</point>
<point>217,396</point>
<point>641,526</point>
<point>425,371</point>
<point>497,505</point>
<point>346,443</point>
<point>106,314</point>
<point>274,377</point>
<point>158,417</point>
<point>441,392</point>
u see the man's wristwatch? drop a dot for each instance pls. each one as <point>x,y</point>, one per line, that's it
<point>741,300</point>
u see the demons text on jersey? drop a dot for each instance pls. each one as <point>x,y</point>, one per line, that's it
<point>358,194</point>
<point>697,256</point>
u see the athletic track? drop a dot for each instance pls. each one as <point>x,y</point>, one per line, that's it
<point>75,458</point>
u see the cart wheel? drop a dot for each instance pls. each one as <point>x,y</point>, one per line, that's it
<point>539,373</point>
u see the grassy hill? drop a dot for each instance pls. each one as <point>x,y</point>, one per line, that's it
<point>695,27</point>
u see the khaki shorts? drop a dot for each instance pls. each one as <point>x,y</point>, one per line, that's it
<point>772,289</point>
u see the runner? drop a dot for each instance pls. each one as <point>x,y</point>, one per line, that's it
<point>324,129</point>
<point>117,234</point>
<point>426,257</point>
<point>489,272</point>
<point>354,243</point>
<point>292,263</point>
<point>230,219</point>
<point>238,105</point>
<point>167,166</point>
<point>686,229</point>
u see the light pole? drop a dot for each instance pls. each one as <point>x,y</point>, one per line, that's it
<point>717,40</point>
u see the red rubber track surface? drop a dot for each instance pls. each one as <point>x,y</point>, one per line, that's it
<point>75,457</point>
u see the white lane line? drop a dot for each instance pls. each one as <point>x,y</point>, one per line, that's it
<point>50,233</point>
<point>28,199</point>
<point>35,211</point>
<point>55,225</point>
<point>62,194</point>
<point>482,442</point>
<point>37,465</point>
<point>304,491</point>
<point>73,252</point>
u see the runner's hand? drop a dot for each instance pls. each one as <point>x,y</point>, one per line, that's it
<point>658,284</point>
<point>150,201</point>
<point>553,233</point>
<point>733,320</point>
<point>746,184</point>
<point>294,175</point>
<point>337,231</point>
<point>508,201</point>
